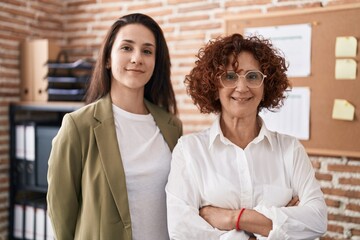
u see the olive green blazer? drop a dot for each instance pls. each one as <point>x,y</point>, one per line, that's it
<point>87,197</point>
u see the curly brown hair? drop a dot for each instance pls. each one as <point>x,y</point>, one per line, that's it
<point>202,83</point>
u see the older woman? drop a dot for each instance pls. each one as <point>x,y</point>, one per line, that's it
<point>237,179</point>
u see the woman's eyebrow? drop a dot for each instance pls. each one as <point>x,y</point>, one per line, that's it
<point>132,41</point>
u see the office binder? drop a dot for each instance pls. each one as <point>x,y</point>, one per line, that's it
<point>36,225</point>
<point>30,153</point>
<point>40,221</point>
<point>20,174</point>
<point>44,137</point>
<point>18,220</point>
<point>29,217</point>
<point>34,54</point>
<point>20,141</point>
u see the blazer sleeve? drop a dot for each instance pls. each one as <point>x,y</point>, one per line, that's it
<point>64,180</point>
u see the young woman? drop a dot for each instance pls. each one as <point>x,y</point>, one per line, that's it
<point>110,160</point>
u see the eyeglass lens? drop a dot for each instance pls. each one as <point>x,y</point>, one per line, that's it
<point>252,78</point>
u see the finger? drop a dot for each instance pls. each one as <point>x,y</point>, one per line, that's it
<point>292,201</point>
<point>201,213</point>
<point>296,199</point>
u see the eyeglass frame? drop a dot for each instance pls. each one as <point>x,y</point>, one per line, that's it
<point>243,76</point>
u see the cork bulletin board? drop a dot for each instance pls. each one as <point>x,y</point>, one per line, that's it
<point>328,136</point>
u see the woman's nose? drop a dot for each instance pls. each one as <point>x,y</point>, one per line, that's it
<point>241,84</point>
<point>136,58</point>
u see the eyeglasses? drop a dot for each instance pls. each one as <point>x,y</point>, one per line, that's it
<point>253,79</point>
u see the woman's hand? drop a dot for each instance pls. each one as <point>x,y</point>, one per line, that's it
<point>219,218</point>
<point>293,202</point>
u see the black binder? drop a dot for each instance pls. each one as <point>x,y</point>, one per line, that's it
<point>44,137</point>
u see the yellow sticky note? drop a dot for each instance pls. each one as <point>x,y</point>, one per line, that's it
<point>345,46</point>
<point>345,69</point>
<point>343,110</point>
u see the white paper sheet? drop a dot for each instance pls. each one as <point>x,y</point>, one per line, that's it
<point>293,118</point>
<point>294,41</point>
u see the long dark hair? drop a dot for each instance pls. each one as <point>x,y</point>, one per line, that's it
<point>159,89</point>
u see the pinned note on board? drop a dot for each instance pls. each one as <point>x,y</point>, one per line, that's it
<point>345,69</point>
<point>346,46</point>
<point>343,110</point>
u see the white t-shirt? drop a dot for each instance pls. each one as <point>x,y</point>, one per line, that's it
<point>208,169</point>
<point>146,159</point>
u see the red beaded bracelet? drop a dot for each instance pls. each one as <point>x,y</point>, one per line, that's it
<point>238,220</point>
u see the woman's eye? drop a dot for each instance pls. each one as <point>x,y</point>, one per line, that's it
<point>149,52</point>
<point>126,48</point>
<point>253,76</point>
<point>231,76</point>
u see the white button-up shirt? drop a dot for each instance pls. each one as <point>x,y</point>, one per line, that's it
<point>208,169</point>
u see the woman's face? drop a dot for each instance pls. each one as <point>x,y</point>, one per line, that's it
<point>132,59</point>
<point>241,101</point>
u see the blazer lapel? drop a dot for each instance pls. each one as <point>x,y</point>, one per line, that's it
<point>106,139</point>
<point>165,123</point>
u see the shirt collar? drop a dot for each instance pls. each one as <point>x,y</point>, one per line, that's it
<point>215,131</point>
<point>264,133</point>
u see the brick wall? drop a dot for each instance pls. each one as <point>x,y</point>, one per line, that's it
<point>79,26</point>
<point>19,19</point>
